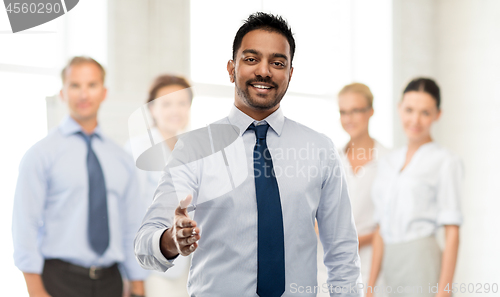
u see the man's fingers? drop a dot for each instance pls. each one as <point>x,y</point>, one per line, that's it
<point>187,245</point>
<point>187,250</point>
<point>187,240</point>
<point>184,223</point>
<point>186,232</point>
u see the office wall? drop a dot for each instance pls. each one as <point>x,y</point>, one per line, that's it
<point>414,48</point>
<point>468,68</point>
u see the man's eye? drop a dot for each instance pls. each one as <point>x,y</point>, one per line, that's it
<point>250,59</point>
<point>279,64</point>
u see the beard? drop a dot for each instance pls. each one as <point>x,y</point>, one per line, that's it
<point>244,93</point>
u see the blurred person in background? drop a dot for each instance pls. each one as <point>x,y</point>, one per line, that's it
<point>416,191</point>
<point>75,203</point>
<point>169,103</point>
<point>359,157</point>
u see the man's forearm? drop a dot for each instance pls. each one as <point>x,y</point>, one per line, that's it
<point>137,288</point>
<point>35,285</point>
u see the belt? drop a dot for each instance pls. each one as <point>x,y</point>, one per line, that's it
<point>94,272</point>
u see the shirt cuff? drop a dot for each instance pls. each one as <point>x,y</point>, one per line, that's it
<point>28,261</point>
<point>157,252</point>
<point>449,218</point>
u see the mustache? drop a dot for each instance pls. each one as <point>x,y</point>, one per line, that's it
<point>262,80</point>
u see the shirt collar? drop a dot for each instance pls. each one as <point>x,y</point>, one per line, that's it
<point>241,120</point>
<point>69,126</point>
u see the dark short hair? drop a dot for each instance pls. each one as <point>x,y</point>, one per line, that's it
<point>268,22</point>
<point>82,60</point>
<point>427,85</point>
<point>166,80</point>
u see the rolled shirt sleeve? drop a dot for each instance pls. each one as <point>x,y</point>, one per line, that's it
<point>337,231</point>
<point>27,220</point>
<point>449,192</point>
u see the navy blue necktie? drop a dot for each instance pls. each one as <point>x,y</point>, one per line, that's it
<point>98,228</point>
<point>271,242</point>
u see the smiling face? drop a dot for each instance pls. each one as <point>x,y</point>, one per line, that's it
<point>355,113</point>
<point>261,71</point>
<point>170,110</point>
<point>418,111</point>
<point>83,91</point>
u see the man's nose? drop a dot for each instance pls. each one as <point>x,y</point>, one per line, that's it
<point>263,70</point>
<point>84,93</point>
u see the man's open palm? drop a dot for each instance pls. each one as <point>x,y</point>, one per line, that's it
<point>183,237</point>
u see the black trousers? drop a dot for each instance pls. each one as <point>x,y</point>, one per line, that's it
<point>62,279</point>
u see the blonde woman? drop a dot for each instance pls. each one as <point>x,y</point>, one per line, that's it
<point>360,156</point>
<point>417,191</point>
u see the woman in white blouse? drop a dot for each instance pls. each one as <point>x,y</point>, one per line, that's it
<point>169,104</point>
<point>417,191</point>
<point>360,157</point>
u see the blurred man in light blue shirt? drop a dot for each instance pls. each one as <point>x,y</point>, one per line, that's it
<point>68,241</point>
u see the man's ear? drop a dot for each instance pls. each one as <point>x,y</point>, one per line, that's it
<point>230,70</point>
<point>61,95</point>
<point>105,95</point>
<point>291,72</point>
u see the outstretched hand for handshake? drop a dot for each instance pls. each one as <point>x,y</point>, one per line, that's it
<point>182,238</point>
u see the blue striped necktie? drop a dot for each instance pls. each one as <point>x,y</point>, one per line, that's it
<point>98,227</point>
<point>271,244</point>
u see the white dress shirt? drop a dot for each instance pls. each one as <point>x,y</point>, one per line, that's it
<point>413,203</point>
<point>312,186</point>
<point>360,189</point>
